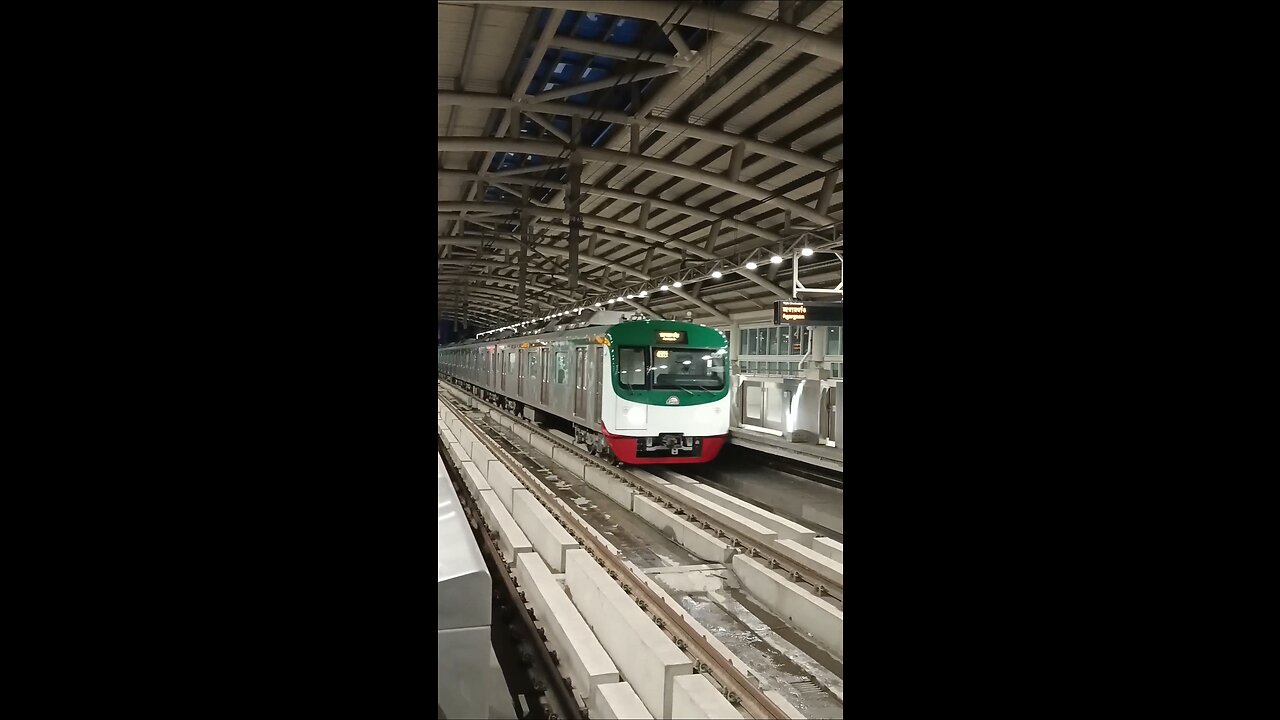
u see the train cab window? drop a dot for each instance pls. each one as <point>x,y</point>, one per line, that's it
<point>631,368</point>
<point>693,369</point>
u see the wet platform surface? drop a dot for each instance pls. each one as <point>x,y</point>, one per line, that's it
<point>809,677</point>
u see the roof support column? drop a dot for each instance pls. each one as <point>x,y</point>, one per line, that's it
<point>787,11</point>
<point>828,187</point>
<point>635,138</point>
<point>524,249</point>
<point>713,235</point>
<point>735,160</point>
<point>575,218</point>
<point>513,124</point>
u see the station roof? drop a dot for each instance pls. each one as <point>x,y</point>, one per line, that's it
<point>739,110</point>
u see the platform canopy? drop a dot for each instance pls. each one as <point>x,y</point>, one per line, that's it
<point>587,156</point>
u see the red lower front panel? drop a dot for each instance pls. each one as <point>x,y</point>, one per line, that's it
<point>625,448</point>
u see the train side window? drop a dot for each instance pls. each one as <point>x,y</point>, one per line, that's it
<point>562,368</point>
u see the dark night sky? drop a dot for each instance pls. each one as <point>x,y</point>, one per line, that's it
<point>445,333</point>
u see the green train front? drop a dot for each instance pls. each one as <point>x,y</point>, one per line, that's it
<point>666,397</point>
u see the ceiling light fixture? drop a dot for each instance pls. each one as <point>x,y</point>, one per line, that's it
<point>751,266</point>
<point>775,259</point>
<point>716,274</point>
<point>677,284</point>
<point>806,252</point>
<point>664,287</point>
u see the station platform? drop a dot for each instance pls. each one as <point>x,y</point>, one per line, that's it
<point>809,453</point>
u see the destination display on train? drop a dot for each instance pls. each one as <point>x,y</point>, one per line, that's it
<point>800,313</point>
<point>673,337</point>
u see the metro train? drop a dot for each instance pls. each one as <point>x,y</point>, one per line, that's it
<point>636,391</point>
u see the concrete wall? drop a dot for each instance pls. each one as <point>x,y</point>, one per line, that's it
<point>511,539</point>
<point>541,444</point>
<point>472,477</point>
<point>798,607</point>
<point>784,527</point>
<point>690,537</point>
<point>695,698</point>
<point>797,552</point>
<point>481,455</point>
<point>582,658</point>
<point>739,523</point>
<point>645,655</point>
<point>830,548</point>
<point>716,645</point>
<point>610,486</point>
<point>568,460</point>
<point>504,483</point>
<point>617,702</point>
<point>548,538</point>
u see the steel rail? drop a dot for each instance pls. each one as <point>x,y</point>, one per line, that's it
<point>561,696</point>
<point>817,578</point>
<point>739,688</point>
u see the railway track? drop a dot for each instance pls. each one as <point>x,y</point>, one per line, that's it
<point>737,687</point>
<point>816,579</point>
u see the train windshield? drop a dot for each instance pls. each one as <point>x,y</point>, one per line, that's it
<point>676,368</point>
<point>631,368</point>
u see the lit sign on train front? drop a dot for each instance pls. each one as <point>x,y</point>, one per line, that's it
<point>672,336</point>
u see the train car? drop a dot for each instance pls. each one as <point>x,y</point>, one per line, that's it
<point>636,391</point>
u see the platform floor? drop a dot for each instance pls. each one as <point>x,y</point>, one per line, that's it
<point>813,454</point>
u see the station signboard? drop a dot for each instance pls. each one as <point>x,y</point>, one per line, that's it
<point>794,312</point>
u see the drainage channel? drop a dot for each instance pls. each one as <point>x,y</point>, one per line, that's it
<point>782,659</point>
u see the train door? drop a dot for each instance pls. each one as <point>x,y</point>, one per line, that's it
<point>520,374</point>
<point>599,372</point>
<point>501,380</point>
<point>580,382</point>
<point>545,395</point>
<point>531,375</point>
